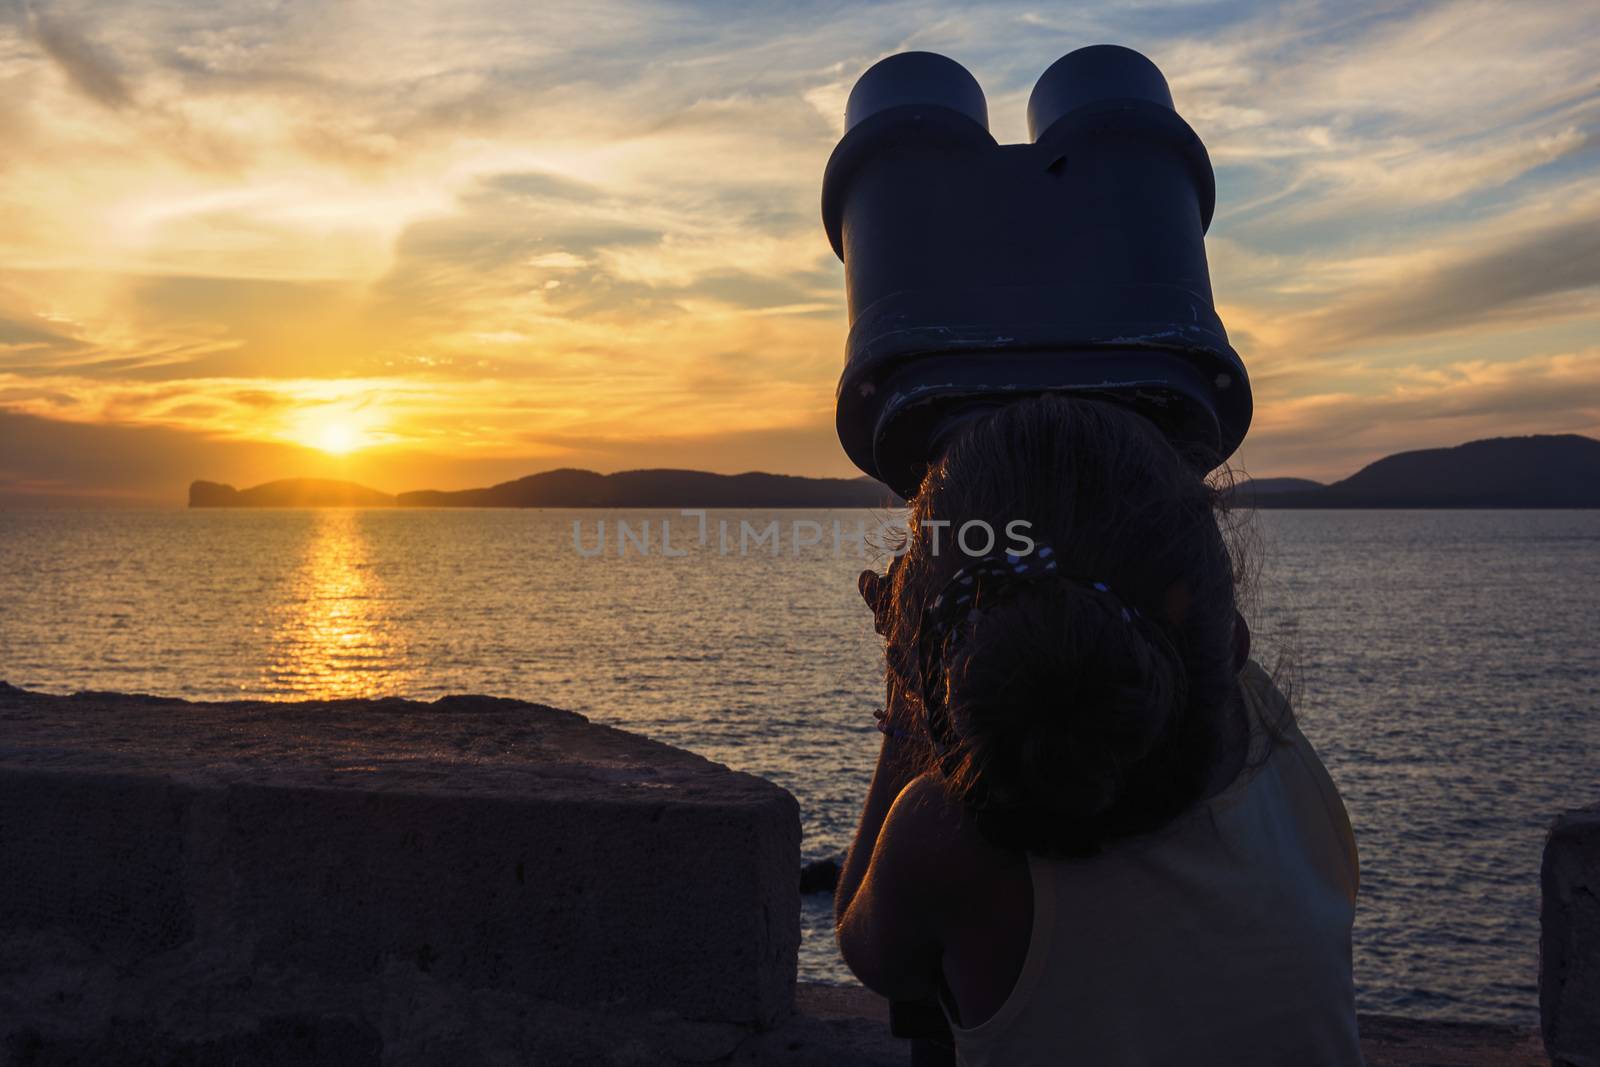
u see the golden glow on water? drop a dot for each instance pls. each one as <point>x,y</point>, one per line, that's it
<point>331,632</point>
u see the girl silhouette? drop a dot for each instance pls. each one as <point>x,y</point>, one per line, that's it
<point>1095,833</point>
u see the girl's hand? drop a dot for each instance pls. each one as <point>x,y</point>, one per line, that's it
<point>875,591</point>
<point>900,717</point>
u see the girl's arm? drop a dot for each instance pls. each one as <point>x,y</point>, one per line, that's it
<point>902,756</point>
<point>890,897</point>
<point>898,763</point>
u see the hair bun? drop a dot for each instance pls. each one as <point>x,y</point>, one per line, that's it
<point>1056,695</point>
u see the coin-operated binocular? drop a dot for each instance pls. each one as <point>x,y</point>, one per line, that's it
<point>977,272</point>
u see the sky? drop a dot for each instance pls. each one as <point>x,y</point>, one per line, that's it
<point>447,244</point>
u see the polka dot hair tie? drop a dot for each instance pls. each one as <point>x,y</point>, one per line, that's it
<point>998,575</point>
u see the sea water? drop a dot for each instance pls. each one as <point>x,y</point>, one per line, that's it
<point>1444,663</point>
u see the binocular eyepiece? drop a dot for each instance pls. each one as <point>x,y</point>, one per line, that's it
<point>977,273</point>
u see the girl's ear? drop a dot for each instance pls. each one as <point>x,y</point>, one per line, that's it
<point>1241,641</point>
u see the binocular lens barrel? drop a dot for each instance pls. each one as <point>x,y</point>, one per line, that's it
<point>1099,72</point>
<point>912,78</point>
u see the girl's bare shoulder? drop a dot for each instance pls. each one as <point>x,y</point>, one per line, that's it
<point>944,849</point>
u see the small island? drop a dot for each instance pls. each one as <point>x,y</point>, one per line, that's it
<point>288,493</point>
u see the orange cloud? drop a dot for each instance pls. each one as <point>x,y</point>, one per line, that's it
<point>522,235</point>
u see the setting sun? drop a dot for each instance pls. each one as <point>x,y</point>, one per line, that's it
<point>337,438</point>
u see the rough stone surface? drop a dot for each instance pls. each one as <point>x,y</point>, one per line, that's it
<point>472,881</point>
<point>1387,1041</point>
<point>1569,940</point>
<point>850,1025</point>
<point>335,881</point>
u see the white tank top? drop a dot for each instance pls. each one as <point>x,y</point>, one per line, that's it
<point>1221,939</point>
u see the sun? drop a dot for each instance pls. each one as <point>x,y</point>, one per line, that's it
<point>337,438</point>
<point>334,429</point>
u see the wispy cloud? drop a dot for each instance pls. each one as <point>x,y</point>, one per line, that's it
<point>507,233</point>
<point>1329,435</point>
<point>84,64</point>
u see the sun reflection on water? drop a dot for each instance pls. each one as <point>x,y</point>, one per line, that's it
<point>331,632</point>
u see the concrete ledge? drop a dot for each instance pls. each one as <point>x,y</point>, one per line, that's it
<point>1569,940</point>
<point>470,881</point>
<point>852,1025</point>
<point>354,876</point>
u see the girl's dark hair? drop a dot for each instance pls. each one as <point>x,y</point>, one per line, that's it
<point>1070,725</point>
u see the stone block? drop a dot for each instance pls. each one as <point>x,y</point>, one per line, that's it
<point>240,876</point>
<point>1569,940</point>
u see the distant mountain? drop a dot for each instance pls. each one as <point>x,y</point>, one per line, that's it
<point>1541,471</point>
<point>288,493</point>
<point>1245,493</point>
<point>571,489</point>
<point>1544,471</point>
<point>660,489</point>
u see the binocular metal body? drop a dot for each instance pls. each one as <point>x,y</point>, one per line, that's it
<point>977,272</point>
